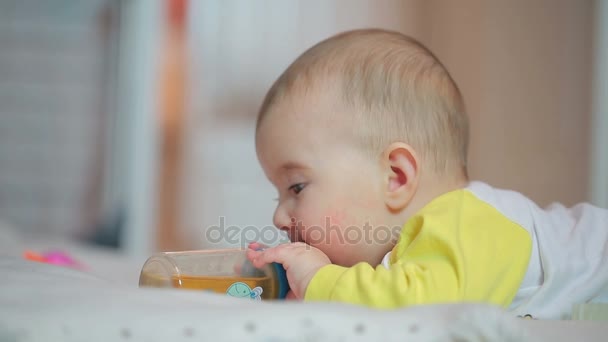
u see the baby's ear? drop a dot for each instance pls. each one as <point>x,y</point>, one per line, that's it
<point>400,162</point>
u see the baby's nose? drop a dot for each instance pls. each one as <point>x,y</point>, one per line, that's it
<point>286,223</point>
<point>281,219</point>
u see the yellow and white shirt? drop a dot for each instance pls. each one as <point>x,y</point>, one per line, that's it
<point>483,244</point>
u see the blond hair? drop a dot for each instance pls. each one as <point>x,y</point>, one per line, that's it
<point>397,90</point>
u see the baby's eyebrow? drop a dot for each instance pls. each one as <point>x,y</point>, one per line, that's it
<point>291,165</point>
<point>286,167</point>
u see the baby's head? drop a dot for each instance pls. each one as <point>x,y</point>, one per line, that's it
<point>361,131</point>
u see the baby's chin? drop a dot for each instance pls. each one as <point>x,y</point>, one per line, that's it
<point>346,259</point>
<point>341,259</point>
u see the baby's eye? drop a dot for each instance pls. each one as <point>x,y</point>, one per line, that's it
<point>296,188</point>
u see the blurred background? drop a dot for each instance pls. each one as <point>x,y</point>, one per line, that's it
<point>130,124</point>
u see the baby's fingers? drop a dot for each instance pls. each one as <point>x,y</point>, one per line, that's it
<point>261,258</point>
<point>257,246</point>
<point>279,254</point>
<point>253,255</point>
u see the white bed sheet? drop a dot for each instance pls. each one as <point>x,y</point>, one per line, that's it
<point>41,302</point>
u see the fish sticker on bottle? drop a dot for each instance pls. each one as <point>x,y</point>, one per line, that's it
<point>242,290</point>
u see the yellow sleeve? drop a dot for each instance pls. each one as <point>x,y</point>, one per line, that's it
<point>457,248</point>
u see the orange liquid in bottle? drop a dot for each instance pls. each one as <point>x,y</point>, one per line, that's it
<point>233,286</point>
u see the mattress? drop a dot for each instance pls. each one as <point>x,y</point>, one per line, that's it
<point>102,302</point>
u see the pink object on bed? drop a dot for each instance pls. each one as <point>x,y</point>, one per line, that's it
<point>53,257</point>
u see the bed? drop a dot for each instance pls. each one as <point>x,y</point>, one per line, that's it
<point>102,302</point>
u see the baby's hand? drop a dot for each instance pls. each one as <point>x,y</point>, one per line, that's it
<point>300,261</point>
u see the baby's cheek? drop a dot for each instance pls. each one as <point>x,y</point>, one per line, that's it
<point>342,240</point>
<point>368,204</point>
<point>338,217</point>
<point>334,216</point>
<point>351,213</point>
<point>344,225</point>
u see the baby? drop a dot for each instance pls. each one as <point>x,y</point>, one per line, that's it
<point>367,131</point>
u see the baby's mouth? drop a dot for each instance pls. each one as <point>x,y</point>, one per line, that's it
<point>294,235</point>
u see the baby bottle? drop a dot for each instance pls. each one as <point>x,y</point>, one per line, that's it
<point>225,271</point>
